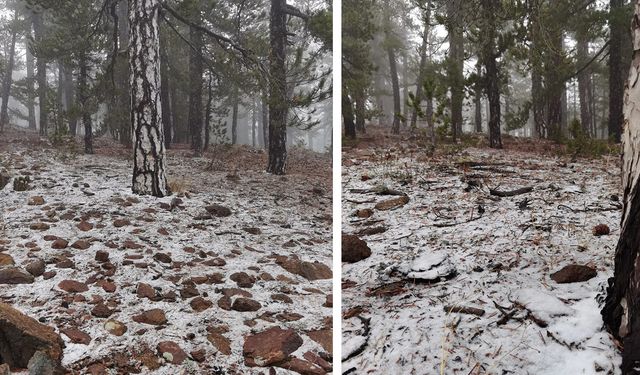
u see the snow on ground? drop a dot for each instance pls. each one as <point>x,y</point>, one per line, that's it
<point>271,215</point>
<point>503,251</point>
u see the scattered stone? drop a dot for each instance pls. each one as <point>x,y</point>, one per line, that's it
<point>220,342</point>
<point>199,304</point>
<point>172,352</point>
<point>115,327</point>
<point>6,260</point>
<point>199,355</point>
<point>102,256</point>
<point>354,249</point>
<point>15,275</point>
<point>119,223</point>
<point>101,311</point>
<point>59,244</point>
<point>243,279</point>
<point>245,304</point>
<point>271,346</point>
<point>573,273</point>
<point>39,226</point>
<point>147,291</point>
<point>107,286</point>
<point>81,244</point>
<point>215,262</point>
<point>162,257</point>
<point>308,270</point>
<point>431,267</point>
<point>281,298</point>
<point>364,213</point>
<point>154,317</point>
<point>218,210</point>
<point>393,203</point>
<point>301,367</point>
<point>316,359</point>
<point>324,337</point>
<point>329,301</point>
<point>76,336</point>
<point>35,267</point>
<point>49,275</point>
<point>23,337</point>
<point>252,230</point>
<point>72,286</point>
<point>35,200</point>
<point>188,291</point>
<point>601,230</point>
<point>85,226</point>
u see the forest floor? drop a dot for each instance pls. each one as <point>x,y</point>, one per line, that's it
<point>137,284</point>
<point>458,281</point>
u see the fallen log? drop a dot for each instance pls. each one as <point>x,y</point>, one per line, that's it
<point>511,193</point>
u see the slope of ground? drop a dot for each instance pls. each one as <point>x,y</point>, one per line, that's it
<point>458,281</point>
<point>180,274</point>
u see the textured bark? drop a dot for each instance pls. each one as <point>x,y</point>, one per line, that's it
<point>492,79</point>
<point>265,121</point>
<point>555,87</point>
<point>456,64</point>
<point>165,96</point>
<point>277,90</point>
<point>6,84</point>
<point>537,91</point>
<point>83,97</point>
<point>31,110</point>
<point>359,100</point>
<point>123,99</point>
<point>254,108</point>
<point>616,74</point>
<point>41,75</point>
<point>621,312</point>
<point>208,113</point>
<point>69,97</point>
<point>195,84</point>
<point>423,64</point>
<point>478,108</point>
<point>347,114</point>
<point>149,163</point>
<point>234,118</point>
<point>60,97</point>
<point>584,84</point>
<point>393,70</point>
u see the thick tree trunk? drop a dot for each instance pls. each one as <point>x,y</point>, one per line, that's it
<point>492,74</point>
<point>616,75</point>
<point>359,100</point>
<point>60,98</point>
<point>195,85</point>
<point>423,64</point>
<point>254,108</point>
<point>41,75</point>
<point>208,113</point>
<point>537,91</point>
<point>278,105</point>
<point>405,86</point>
<point>621,312</point>
<point>165,96</point>
<point>478,108</point>
<point>347,114</point>
<point>265,120</point>
<point>456,64</point>
<point>395,127</point>
<point>69,98</point>
<point>123,99</point>
<point>6,84</point>
<point>83,97</point>
<point>149,163</point>
<point>31,110</point>
<point>584,84</point>
<point>555,86</point>
<point>234,117</point>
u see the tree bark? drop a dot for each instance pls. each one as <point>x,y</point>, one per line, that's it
<point>195,84</point>
<point>69,97</point>
<point>208,113</point>
<point>584,83</point>
<point>395,127</point>
<point>41,65</point>
<point>423,64</point>
<point>278,106</point>
<point>60,97</point>
<point>616,75</point>
<point>621,312</point>
<point>83,97</point>
<point>347,114</point>
<point>555,86</point>
<point>234,117</point>
<point>149,163</point>
<point>478,100</point>
<point>489,8</point>
<point>359,100</point>
<point>31,92</point>
<point>123,99</point>
<point>254,107</point>
<point>165,96</point>
<point>265,120</point>
<point>8,77</point>
<point>456,64</point>
<point>535,58</point>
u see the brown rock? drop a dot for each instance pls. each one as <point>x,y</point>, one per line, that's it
<point>24,336</point>
<point>162,257</point>
<point>199,355</point>
<point>221,343</point>
<point>323,337</point>
<point>15,275</point>
<point>102,256</point>
<point>281,298</point>
<point>252,230</point>
<point>85,226</point>
<point>49,275</point>
<point>115,327</point>
<point>119,223</point>
<point>97,369</point>
<point>107,286</point>
<point>573,273</point>
<point>154,317</point>
<point>601,230</point>
<point>59,243</point>
<point>39,226</point>
<point>392,203</point>
<point>215,262</point>
<point>35,201</point>
<point>199,304</point>
<point>308,270</point>
<point>101,311</point>
<point>329,301</point>
<point>245,304</point>
<point>243,279</point>
<point>301,367</point>
<point>364,213</point>
<point>146,291</point>
<point>270,347</point>
<point>172,352</point>
<point>81,244</point>
<point>36,267</point>
<point>354,249</point>
<point>77,336</point>
<point>224,303</point>
<point>314,358</point>
<point>6,260</point>
<point>218,210</point>
<point>72,286</point>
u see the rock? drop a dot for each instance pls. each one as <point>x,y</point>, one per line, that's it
<point>76,336</point>
<point>329,301</point>
<point>601,230</point>
<point>102,256</point>
<point>119,223</point>
<point>392,203</point>
<point>243,279</point>
<point>308,270</point>
<point>107,286</point>
<point>199,304</point>
<point>162,257</point>
<point>324,337</point>
<point>172,352</point>
<point>252,230</point>
<point>6,260</point>
<point>363,213</point>
<point>573,273</point>
<point>301,367</point>
<point>224,303</point>
<point>430,267</point>
<point>354,249</point>
<point>15,275</point>
<point>146,291</point>
<point>35,201</point>
<point>269,347</point>
<point>97,369</point>
<point>23,337</point>
<point>188,291</point>
<point>218,210</point>
<point>245,304</point>
<point>81,244</point>
<point>101,311</point>
<point>154,317</point>
<point>115,327</point>
<point>198,355</point>
<point>215,262</point>
<point>85,226</point>
<point>4,180</point>
<point>21,184</point>
<point>221,343</point>
<point>49,275</point>
<point>36,267</point>
<point>59,244</point>
<point>281,298</point>
<point>72,286</point>
<point>316,359</point>
<point>39,226</point>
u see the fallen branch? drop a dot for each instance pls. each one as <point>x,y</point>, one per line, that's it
<point>464,310</point>
<point>365,334</point>
<point>511,193</point>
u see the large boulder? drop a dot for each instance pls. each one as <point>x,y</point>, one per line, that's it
<point>270,347</point>
<point>26,343</point>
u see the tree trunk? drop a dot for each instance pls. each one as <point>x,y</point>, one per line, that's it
<point>31,91</point>
<point>234,118</point>
<point>254,108</point>
<point>69,97</point>
<point>359,100</point>
<point>83,97</point>
<point>489,8</point>
<point>584,83</point>
<point>208,113</point>
<point>621,312</point>
<point>60,98</point>
<point>347,114</point>
<point>616,76</point>
<point>6,84</point>
<point>423,64</point>
<point>535,58</point>
<point>405,86</point>
<point>265,120</point>
<point>456,64</point>
<point>555,86</point>
<point>430,122</point>
<point>395,127</point>
<point>41,75</point>
<point>165,96</point>
<point>149,163</point>
<point>478,108</point>
<point>195,84</point>
<point>123,99</point>
<point>277,90</point>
